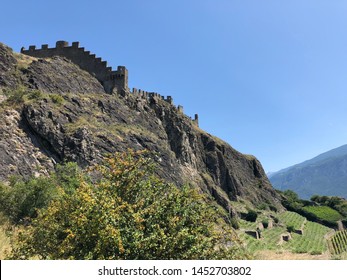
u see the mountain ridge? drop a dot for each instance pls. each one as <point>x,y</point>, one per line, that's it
<point>326,171</point>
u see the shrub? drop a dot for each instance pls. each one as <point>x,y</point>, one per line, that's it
<point>290,228</point>
<point>315,252</point>
<point>234,223</point>
<point>56,98</point>
<point>128,213</point>
<point>262,206</point>
<point>35,94</point>
<point>251,216</point>
<point>265,223</point>
<point>21,199</point>
<point>15,96</point>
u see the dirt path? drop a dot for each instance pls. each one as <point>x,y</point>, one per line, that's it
<point>286,255</point>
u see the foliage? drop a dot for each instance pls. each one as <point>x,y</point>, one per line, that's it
<point>312,240</point>
<point>324,213</point>
<point>35,94</point>
<point>251,216</point>
<point>291,196</point>
<point>335,202</point>
<point>321,214</point>
<point>265,223</point>
<point>56,98</point>
<point>20,199</point>
<point>4,238</point>
<point>15,96</point>
<point>128,213</point>
<point>290,228</point>
<point>291,200</point>
<point>262,206</point>
<point>234,223</point>
<point>20,94</point>
<point>273,208</point>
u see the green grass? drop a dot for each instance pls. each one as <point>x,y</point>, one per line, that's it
<point>291,219</point>
<point>312,241</point>
<point>324,213</point>
<point>269,241</point>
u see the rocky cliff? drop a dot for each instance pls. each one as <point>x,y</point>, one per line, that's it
<point>52,111</point>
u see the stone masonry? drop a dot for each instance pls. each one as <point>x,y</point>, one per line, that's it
<point>98,68</point>
<point>85,60</point>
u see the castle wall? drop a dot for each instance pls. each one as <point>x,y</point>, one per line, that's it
<point>86,61</point>
<point>98,68</point>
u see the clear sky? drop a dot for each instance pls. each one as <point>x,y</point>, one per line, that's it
<point>269,77</point>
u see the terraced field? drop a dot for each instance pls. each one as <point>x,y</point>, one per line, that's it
<point>338,243</point>
<point>324,212</point>
<point>269,241</point>
<point>292,219</point>
<point>312,241</point>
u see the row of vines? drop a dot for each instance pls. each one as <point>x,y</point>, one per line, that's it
<point>338,242</point>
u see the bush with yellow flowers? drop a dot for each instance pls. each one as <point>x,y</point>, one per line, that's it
<point>126,212</point>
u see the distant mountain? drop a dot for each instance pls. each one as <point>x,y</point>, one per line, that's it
<point>325,174</point>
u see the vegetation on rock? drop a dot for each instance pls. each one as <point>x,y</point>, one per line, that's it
<point>127,213</point>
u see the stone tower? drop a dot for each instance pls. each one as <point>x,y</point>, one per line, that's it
<point>85,60</point>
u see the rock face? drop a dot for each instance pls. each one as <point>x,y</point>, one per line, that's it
<point>57,75</point>
<point>19,153</point>
<point>8,68</point>
<point>87,123</point>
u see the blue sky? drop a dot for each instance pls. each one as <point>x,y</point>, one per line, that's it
<point>269,77</point>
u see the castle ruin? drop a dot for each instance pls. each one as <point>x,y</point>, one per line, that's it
<point>98,68</point>
<point>85,60</point>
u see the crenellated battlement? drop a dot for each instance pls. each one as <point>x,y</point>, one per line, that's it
<point>109,78</point>
<point>153,95</point>
<point>85,60</point>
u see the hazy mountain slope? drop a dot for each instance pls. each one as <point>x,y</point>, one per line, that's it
<point>325,174</point>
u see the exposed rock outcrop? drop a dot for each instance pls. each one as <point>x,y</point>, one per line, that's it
<point>88,123</point>
<point>8,68</point>
<point>58,75</point>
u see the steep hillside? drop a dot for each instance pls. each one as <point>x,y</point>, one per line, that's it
<point>54,111</point>
<point>324,175</point>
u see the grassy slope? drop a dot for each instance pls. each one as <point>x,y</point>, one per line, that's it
<point>312,242</point>
<point>324,213</point>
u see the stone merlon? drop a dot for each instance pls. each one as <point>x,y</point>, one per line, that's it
<point>89,62</point>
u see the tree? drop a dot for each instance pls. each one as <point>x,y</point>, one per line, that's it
<point>20,199</point>
<point>128,213</point>
<point>251,216</point>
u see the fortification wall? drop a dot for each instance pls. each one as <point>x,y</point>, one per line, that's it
<point>148,95</point>
<point>86,61</point>
<point>109,78</point>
